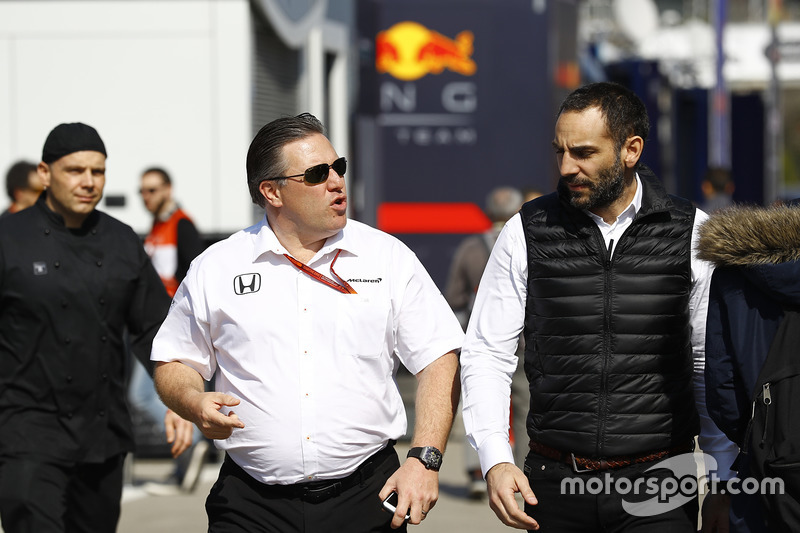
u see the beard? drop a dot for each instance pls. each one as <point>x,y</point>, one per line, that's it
<point>601,193</point>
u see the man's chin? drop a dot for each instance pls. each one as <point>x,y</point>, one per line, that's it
<point>580,201</point>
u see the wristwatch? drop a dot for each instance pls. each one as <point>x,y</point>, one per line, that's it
<point>428,455</point>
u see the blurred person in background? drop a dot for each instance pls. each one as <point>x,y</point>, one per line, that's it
<point>602,278</point>
<point>717,187</point>
<point>23,186</point>
<point>72,279</point>
<point>172,244</point>
<point>469,260</point>
<point>173,241</point>
<point>531,193</point>
<point>304,320</point>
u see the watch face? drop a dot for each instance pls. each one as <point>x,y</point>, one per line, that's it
<point>432,456</point>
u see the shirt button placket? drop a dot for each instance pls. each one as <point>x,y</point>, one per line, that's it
<point>305,332</point>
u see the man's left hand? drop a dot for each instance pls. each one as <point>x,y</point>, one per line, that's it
<point>179,432</point>
<point>417,489</point>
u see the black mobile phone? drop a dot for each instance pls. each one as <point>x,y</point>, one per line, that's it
<point>390,504</point>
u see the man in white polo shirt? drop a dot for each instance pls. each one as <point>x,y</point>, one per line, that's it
<point>304,319</point>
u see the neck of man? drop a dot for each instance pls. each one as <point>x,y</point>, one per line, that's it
<point>166,209</point>
<point>72,220</point>
<point>301,247</point>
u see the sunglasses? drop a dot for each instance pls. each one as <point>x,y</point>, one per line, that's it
<point>318,173</point>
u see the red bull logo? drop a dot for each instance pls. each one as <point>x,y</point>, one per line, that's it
<point>409,51</point>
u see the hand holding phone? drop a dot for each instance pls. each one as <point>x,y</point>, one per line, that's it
<point>390,504</point>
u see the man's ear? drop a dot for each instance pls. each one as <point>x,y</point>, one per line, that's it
<point>271,193</point>
<point>632,151</point>
<point>43,169</point>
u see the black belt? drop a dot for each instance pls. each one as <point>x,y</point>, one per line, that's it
<point>313,491</point>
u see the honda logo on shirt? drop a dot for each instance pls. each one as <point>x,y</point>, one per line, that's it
<point>246,283</point>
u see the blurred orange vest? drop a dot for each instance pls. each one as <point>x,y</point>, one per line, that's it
<point>161,244</point>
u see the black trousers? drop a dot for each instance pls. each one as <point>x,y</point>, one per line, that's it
<point>563,509</point>
<point>240,504</point>
<point>39,495</point>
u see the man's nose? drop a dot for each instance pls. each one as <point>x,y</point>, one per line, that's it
<point>87,179</point>
<point>567,165</point>
<point>335,181</point>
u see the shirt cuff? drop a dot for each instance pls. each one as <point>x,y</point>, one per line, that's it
<point>494,449</point>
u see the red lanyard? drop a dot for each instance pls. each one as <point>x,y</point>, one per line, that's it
<point>343,287</point>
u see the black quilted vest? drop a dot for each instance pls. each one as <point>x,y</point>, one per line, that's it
<point>608,348</point>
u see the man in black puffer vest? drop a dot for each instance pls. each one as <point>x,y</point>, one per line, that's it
<point>602,279</point>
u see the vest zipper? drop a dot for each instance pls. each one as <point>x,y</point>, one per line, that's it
<point>602,411</point>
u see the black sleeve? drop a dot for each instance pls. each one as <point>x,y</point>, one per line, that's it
<point>190,245</point>
<point>725,401</point>
<point>148,310</point>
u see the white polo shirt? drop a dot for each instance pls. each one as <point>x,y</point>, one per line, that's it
<point>314,368</point>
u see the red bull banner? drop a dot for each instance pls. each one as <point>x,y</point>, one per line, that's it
<point>456,97</point>
<point>408,51</point>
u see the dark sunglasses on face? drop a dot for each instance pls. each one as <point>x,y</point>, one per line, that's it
<point>318,173</point>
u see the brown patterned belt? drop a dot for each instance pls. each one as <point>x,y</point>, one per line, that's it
<point>586,464</point>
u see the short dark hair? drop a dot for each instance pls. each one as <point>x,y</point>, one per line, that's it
<point>18,177</point>
<point>161,172</point>
<point>265,155</point>
<point>624,112</point>
<point>718,178</point>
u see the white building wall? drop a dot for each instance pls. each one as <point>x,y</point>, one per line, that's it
<point>165,83</point>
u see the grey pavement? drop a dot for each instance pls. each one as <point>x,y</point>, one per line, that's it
<point>186,513</point>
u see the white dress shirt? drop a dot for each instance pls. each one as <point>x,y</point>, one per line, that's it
<point>314,368</point>
<point>488,358</point>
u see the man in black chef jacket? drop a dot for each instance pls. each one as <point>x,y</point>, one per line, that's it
<point>71,279</point>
